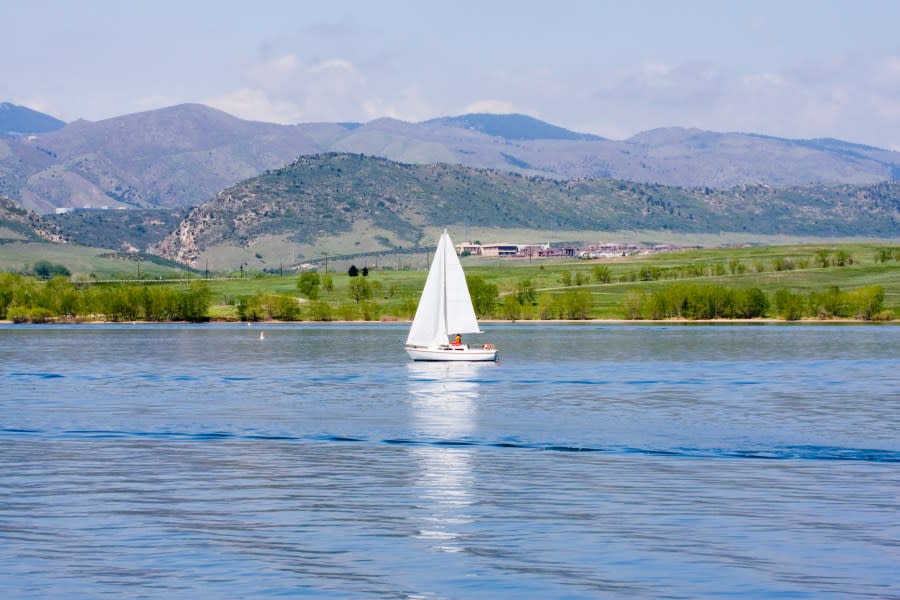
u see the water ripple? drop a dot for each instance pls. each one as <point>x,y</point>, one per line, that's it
<point>790,452</point>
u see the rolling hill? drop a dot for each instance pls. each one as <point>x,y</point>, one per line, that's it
<point>183,155</point>
<point>18,224</point>
<point>385,206</point>
<point>123,230</point>
<point>17,121</point>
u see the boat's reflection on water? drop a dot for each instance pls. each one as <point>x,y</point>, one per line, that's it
<point>443,413</point>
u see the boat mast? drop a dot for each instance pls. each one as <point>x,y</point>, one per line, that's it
<point>442,246</point>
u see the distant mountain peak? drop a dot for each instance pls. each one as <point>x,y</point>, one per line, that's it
<point>17,121</point>
<point>512,127</point>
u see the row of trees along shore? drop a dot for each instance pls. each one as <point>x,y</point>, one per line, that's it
<point>28,299</point>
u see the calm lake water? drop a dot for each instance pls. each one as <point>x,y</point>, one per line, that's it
<point>592,461</point>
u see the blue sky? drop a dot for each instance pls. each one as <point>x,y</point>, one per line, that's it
<point>798,69</point>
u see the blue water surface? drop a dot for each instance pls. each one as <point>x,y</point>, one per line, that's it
<point>200,461</point>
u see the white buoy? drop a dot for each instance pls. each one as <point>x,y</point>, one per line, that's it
<point>262,336</point>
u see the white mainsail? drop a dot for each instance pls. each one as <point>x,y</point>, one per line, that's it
<point>445,307</point>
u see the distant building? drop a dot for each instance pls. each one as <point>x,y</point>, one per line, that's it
<point>505,250</point>
<point>469,247</point>
<point>549,252</point>
<point>499,250</point>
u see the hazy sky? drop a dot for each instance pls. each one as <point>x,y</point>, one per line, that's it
<point>789,68</point>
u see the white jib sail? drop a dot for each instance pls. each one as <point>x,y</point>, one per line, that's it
<point>445,307</point>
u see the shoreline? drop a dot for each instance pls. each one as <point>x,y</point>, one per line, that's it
<point>764,321</point>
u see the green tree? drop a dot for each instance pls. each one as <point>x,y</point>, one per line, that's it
<point>823,258</point>
<point>649,273</point>
<point>633,302</point>
<point>360,289</point>
<point>790,306</point>
<point>602,274</point>
<point>751,304</point>
<point>830,303</point>
<point>865,303</point>
<point>526,294</point>
<point>369,310</point>
<point>309,283</point>
<point>736,267</point>
<point>577,304</point>
<point>842,258</point>
<point>45,269</point>
<point>17,313</point>
<point>320,310</point>
<point>510,308</point>
<point>883,255</point>
<point>484,294</point>
<point>784,263</point>
<point>194,302</point>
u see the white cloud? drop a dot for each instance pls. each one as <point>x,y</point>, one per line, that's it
<point>338,64</point>
<point>154,101</point>
<point>286,90</point>
<point>762,82</point>
<point>255,105</point>
<point>38,103</point>
<point>409,104</point>
<point>491,106</point>
<point>887,73</point>
<point>839,96</point>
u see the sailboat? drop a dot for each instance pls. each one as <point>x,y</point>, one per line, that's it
<point>445,309</point>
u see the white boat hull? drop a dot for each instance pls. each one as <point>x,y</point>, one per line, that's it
<point>452,353</point>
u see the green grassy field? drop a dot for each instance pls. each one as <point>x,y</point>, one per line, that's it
<point>606,283</point>
<point>398,290</point>
<point>83,262</point>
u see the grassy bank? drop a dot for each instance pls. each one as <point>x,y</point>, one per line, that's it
<point>746,281</point>
<point>801,269</point>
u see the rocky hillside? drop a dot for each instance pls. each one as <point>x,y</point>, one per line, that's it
<point>325,195</point>
<point>124,230</point>
<point>18,224</point>
<point>183,155</point>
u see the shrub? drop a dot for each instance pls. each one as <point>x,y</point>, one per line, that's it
<point>484,294</point>
<point>602,274</point>
<point>40,314</point>
<point>633,302</point>
<point>320,311</point>
<point>526,294</point>
<point>790,306</point>
<point>510,308</point>
<point>309,283</point>
<point>17,313</point>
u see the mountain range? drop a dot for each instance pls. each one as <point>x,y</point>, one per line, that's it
<point>17,121</point>
<point>381,206</point>
<point>182,156</point>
